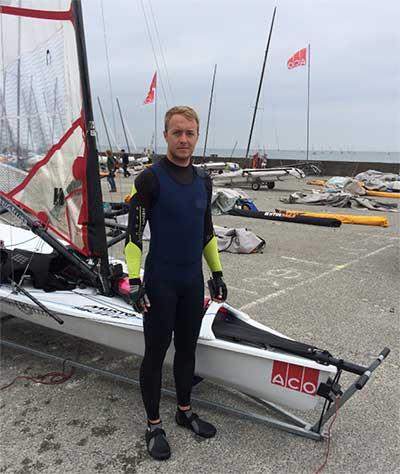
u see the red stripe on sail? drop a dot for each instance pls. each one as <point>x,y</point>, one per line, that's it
<point>83,214</point>
<point>78,123</point>
<point>42,14</point>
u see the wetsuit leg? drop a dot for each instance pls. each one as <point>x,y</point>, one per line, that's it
<point>158,326</point>
<point>189,314</point>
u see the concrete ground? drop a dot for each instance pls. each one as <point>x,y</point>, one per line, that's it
<point>335,288</point>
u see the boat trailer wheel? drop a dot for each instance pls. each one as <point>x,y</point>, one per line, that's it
<point>255,186</point>
<point>271,184</point>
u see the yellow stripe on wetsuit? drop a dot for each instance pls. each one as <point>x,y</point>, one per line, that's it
<point>133,253</point>
<point>211,255</point>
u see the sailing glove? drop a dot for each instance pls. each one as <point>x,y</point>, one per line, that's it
<point>217,287</point>
<point>140,300</point>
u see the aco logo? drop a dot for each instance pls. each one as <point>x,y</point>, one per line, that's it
<point>295,377</point>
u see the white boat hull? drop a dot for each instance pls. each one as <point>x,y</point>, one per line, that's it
<point>264,175</point>
<point>111,322</point>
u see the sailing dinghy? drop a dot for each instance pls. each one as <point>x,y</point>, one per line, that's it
<point>62,244</point>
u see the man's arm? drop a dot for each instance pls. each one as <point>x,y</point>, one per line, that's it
<point>210,246</point>
<point>216,284</point>
<point>142,197</point>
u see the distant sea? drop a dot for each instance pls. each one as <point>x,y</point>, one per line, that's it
<point>316,155</point>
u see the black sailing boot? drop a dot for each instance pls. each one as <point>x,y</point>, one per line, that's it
<point>193,422</point>
<point>156,441</point>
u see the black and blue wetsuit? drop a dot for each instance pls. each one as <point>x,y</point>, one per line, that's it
<point>177,203</point>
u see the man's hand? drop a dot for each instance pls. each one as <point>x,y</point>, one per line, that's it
<point>139,298</point>
<point>217,287</point>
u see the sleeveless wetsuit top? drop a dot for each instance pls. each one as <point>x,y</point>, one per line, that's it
<point>177,228</point>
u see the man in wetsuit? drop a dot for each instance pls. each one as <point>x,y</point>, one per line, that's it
<point>176,200</point>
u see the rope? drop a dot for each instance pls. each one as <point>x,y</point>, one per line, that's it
<point>162,51</point>
<point>154,52</point>
<point>50,378</point>
<point>323,465</point>
<point>108,67</point>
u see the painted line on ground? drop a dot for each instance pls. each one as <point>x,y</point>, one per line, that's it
<point>310,280</point>
<point>243,289</point>
<point>311,262</point>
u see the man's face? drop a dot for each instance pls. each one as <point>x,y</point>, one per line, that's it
<point>181,137</point>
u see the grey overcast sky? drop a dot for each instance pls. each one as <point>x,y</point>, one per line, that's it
<point>355,73</point>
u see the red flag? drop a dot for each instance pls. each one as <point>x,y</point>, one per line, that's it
<point>150,95</point>
<point>298,59</point>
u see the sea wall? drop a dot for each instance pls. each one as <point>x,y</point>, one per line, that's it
<point>328,168</point>
<point>343,168</point>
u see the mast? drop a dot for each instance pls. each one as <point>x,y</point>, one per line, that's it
<point>108,70</point>
<point>18,150</point>
<point>39,121</point>
<point>308,104</point>
<point>53,118</point>
<point>260,84</point>
<point>105,124</point>
<point>233,149</point>
<point>123,125</point>
<point>209,113</point>
<point>96,229</point>
<point>155,120</point>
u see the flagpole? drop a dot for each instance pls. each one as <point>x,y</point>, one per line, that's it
<point>308,104</point>
<point>155,121</point>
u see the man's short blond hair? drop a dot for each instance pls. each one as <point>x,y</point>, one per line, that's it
<point>184,110</point>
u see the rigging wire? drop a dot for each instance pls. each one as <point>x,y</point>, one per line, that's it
<point>108,68</point>
<point>162,51</point>
<point>154,53</point>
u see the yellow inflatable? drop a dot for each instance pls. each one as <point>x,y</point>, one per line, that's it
<point>344,218</point>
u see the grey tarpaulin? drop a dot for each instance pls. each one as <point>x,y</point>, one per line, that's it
<point>223,200</point>
<point>239,240</point>
<point>378,181</point>
<point>338,199</point>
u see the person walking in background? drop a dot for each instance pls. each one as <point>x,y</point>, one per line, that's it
<point>111,167</point>
<point>176,199</point>
<point>125,163</point>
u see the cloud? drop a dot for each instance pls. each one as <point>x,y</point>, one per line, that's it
<point>355,75</point>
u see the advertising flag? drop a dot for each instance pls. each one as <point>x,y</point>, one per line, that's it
<point>150,95</point>
<point>298,59</point>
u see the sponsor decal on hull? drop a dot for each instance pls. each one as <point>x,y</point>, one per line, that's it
<point>295,377</point>
<point>103,311</point>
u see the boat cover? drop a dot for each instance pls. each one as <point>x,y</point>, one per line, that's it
<point>228,327</point>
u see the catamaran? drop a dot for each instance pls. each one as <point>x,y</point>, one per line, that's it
<point>61,243</point>
<point>255,178</point>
